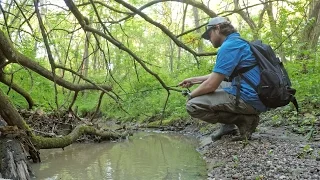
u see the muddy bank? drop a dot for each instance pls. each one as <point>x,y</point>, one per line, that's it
<point>273,153</point>
<point>58,124</point>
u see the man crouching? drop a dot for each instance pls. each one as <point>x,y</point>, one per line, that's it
<point>235,104</point>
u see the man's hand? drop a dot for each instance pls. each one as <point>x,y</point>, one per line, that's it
<point>193,80</point>
<point>208,86</point>
<point>186,83</point>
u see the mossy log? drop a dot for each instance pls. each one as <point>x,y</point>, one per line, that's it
<point>61,142</point>
<point>14,151</point>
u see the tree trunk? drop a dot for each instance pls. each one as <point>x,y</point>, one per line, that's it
<point>85,65</point>
<point>10,114</point>
<point>85,62</point>
<point>245,16</point>
<point>96,58</point>
<point>311,32</point>
<point>171,55</point>
<point>277,35</point>
<point>182,30</point>
<point>197,24</point>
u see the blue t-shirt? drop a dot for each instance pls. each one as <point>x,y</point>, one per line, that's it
<point>232,52</point>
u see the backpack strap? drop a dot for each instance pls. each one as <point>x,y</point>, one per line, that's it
<point>238,90</point>
<point>237,74</point>
<point>295,103</point>
<point>249,82</point>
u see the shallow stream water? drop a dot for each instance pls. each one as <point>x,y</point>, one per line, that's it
<point>144,156</point>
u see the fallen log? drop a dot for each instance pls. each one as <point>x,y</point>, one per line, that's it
<point>14,162</point>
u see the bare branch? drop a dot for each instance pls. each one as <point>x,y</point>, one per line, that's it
<point>65,30</point>
<point>5,20</point>
<point>260,22</point>
<point>15,57</point>
<point>105,5</point>
<point>24,16</point>
<point>49,4</point>
<point>244,15</point>
<point>81,20</point>
<point>17,16</point>
<point>22,30</point>
<point>191,30</point>
<point>73,100</point>
<point>165,105</point>
<point>102,88</point>
<point>18,89</point>
<point>46,42</point>
<point>199,5</point>
<point>104,56</point>
<point>98,107</point>
<point>160,26</point>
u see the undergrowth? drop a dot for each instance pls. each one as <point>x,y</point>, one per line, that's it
<point>144,101</point>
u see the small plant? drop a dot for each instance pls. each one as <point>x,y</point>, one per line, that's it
<point>236,160</point>
<point>260,177</point>
<point>270,152</point>
<point>307,150</point>
<point>276,120</point>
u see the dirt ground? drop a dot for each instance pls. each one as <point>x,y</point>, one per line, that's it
<point>273,153</point>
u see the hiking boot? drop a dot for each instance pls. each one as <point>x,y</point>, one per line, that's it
<point>255,123</point>
<point>225,129</point>
<point>246,125</point>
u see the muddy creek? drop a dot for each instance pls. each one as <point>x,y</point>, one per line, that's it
<point>144,156</point>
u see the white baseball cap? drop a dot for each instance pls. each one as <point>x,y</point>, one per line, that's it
<point>213,22</point>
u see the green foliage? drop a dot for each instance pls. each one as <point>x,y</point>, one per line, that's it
<point>142,96</point>
<point>308,84</point>
<point>37,86</point>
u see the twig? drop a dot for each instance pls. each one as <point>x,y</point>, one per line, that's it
<point>98,107</point>
<point>165,105</point>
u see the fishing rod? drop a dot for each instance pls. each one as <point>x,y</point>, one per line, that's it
<point>153,89</point>
<point>184,92</point>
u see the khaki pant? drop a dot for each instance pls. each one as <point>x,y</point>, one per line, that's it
<point>218,106</point>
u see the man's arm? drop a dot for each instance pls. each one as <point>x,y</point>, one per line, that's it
<point>200,79</point>
<point>194,80</point>
<point>209,85</point>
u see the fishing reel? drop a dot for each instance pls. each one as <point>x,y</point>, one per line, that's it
<point>186,93</point>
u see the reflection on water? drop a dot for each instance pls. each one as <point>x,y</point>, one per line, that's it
<point>145,156</point>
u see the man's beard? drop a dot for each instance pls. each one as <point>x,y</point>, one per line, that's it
<point>216,44</point>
